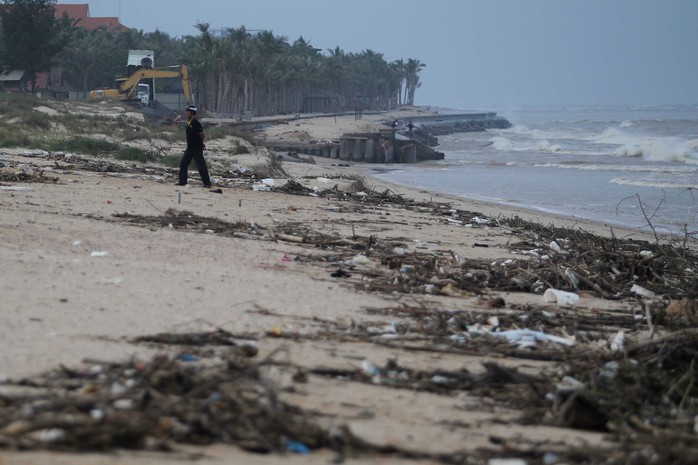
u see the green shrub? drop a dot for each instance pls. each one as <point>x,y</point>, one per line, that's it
<point>37,119</point>
<point>172,161</point>
<point>82,145</point>
<point>238,149</point>
<point>12,104</point>
<point>135,154</point>
<point>11,136</point>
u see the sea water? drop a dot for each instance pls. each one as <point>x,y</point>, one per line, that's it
<point>631,166</point>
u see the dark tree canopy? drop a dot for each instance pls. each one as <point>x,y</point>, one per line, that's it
<point>233,71</point>
<point>31,36</point>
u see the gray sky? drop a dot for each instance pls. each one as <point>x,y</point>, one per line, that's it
<point>479,54</point>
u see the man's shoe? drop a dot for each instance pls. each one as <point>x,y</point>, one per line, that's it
<point>180,184</point>
<point>207,186</point>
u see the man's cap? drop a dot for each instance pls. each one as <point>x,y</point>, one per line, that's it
<point>191,108</point>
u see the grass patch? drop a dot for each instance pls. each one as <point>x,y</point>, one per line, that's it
<point>11,137</point>
<point>135,154</point>
<point>37,119</point>
<point>238,149</point>
<point>16,104</point>
<point>90,124</point>
<point>171,161</point>
<point>82,145</point>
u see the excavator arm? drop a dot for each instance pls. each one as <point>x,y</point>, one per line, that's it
<point>127,88</point>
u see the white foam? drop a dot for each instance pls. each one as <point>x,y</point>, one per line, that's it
<point>639,182</point>
<point>680,169</point>
<point>652,148</point>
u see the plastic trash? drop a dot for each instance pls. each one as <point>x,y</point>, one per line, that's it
<point>124,404</point>
<point>529,338</point>
<point>555,247</point>
<point>609,370</point>
<point>560,297</point>
<point>642,292</point>
<point>260,187</point>
<point>506,462</point>
<point>400,251</point>
<point>618,341</point>
<point>49,435</point>
<point>297,447</point>
<point>572,277</point>
<point>368,368</point>
<point>361,259</point>
<point>568,384</point>
<point>98,253</point>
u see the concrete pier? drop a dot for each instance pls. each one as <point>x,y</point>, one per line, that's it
<point>368,147</point>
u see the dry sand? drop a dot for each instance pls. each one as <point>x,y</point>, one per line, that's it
<point>77,283</point>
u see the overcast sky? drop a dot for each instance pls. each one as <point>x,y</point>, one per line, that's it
<point>479,54</point>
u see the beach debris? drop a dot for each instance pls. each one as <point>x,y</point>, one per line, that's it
<point>686,309</point>
<point>25,173</point>
<point>98,253</point>
<point>340,273</point>
<point>506,461</point>
<point>642,292</point>
<point>217,337</point>
<point>560,297</point>
<point>555,247</point>
<point>618,341</point>
<point>297,447</point>
<point>528,338</point>
<point>147,404</point>
<point>265,185</point>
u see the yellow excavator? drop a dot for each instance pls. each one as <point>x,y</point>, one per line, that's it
<point>131,90</point>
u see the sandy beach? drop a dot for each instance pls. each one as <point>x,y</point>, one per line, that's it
<point>327,285</point>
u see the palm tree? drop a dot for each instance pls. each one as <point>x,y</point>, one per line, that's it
<point>412,70</point>
<point>92,58</point>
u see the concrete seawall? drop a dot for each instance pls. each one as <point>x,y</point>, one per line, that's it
<point>402,146</point>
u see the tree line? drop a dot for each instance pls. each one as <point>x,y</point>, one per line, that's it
<point>233,71</point>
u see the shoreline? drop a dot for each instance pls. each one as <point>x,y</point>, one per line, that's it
<point>332,128</point>
<point>495,209</point>
<point>99,259</point>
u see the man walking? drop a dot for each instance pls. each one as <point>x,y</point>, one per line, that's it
<point>195,149</point>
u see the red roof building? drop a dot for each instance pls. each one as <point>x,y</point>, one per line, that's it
<point>80,14</point>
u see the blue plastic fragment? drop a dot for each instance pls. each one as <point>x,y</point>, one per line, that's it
<point>297,447</point>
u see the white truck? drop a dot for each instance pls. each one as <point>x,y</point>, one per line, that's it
<point>142,59</point>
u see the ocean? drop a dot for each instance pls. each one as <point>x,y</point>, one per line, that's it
<point>603,164</point>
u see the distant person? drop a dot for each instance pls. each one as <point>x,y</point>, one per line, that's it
<point>395,124</point>
<point>410,128</point>
<point>385,146</point>
<point>195,149</point>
